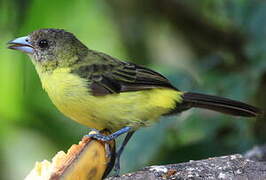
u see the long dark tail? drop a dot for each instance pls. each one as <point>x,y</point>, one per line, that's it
<point>219,104</point>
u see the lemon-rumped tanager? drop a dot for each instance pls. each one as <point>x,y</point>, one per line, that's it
<point>102,92</point>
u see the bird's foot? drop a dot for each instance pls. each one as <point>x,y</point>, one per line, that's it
<point>101,137</point>
<point>117,168</point>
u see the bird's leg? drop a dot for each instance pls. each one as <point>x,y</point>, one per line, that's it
<point>119,152</point>
<point>110,137</point>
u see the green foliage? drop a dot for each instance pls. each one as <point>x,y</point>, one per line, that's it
<point>216,47</point>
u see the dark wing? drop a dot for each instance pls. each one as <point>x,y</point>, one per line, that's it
<point>117,77</point>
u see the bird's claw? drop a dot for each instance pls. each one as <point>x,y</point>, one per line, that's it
<point>100,137</point>
<point>117,170</point>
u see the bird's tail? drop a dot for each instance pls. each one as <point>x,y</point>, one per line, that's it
<point>220,104</point>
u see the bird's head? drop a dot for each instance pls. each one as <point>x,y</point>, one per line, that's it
<point>50,48</point>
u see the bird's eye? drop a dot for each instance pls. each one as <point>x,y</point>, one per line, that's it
<point>43,43</point>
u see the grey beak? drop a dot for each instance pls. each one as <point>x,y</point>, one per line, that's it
<point>21,44</point>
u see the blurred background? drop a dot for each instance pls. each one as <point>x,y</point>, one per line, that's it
<point>216,47</point>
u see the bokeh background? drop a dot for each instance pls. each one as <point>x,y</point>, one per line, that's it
<point>216,47</point>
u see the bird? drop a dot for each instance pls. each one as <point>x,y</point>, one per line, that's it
<point>103,92</point>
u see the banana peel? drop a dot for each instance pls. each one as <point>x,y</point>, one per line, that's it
<point>89,160</point>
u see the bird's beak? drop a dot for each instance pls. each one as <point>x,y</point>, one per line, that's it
<point>22,44</point>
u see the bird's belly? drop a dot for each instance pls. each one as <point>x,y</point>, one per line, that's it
<point>71,96</point>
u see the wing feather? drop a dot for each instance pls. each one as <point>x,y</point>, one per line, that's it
<point>118,77</point>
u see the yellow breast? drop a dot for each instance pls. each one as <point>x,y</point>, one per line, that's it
<point>72,97</point>
<point>69,94</point>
